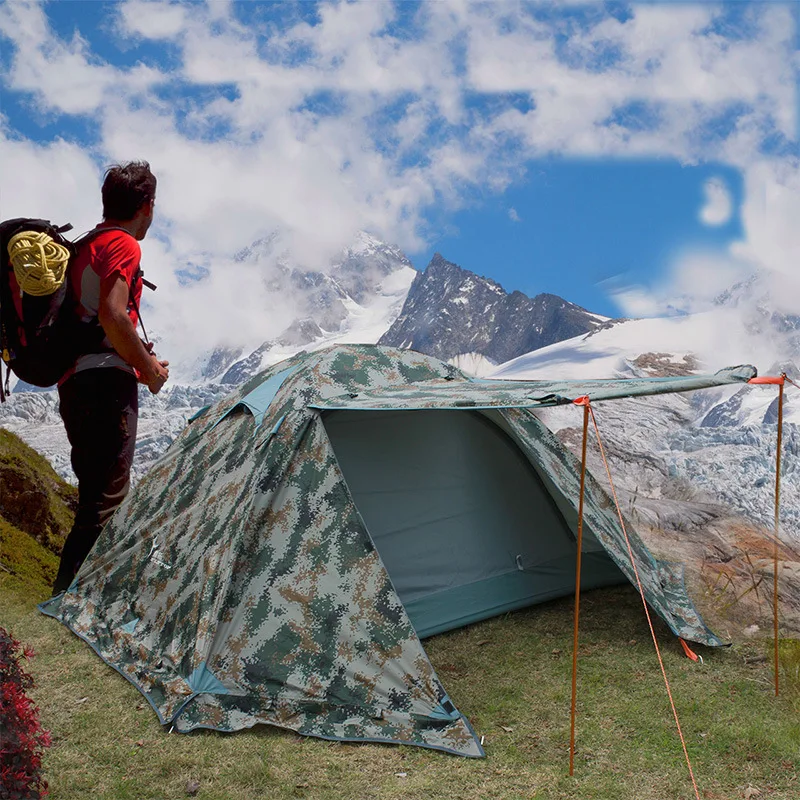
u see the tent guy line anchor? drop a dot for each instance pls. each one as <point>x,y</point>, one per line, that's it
<point>689,652</point>
<point>588,410</point>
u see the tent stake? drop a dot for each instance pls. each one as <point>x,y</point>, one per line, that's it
<point>585,402</point>
<point>777,531</point>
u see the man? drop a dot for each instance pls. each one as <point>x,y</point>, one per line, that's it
<point>98,395</point>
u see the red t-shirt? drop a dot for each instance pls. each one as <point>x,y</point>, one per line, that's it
<point>115,252</point>
<point>106,254</point>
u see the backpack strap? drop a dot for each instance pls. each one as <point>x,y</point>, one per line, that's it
<point>95,232</point>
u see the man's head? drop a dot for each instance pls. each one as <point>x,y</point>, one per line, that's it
<point>129,193</point>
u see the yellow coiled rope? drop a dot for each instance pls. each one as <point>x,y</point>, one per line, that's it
<point>40,264</point>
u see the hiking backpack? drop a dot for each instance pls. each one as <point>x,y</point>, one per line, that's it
<point>40,333</point>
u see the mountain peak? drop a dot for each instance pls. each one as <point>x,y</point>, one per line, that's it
<point>365,243</point>
<point>439,266</point>
<point>451,311</point>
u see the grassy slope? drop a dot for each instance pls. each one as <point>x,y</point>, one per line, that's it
<point>25,558</point>
<point>510,676</point>
<point>36,511</point>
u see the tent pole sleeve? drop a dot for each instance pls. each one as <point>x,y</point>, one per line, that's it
<point>777,531</point>
<point>578,592</point>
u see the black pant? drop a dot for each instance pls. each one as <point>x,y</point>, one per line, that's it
<point>100,409</point>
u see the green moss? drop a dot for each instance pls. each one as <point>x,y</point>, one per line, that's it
<point>34,499</point>
<point>789,660</point>
<point>36,513</point>
<point>24,558</point>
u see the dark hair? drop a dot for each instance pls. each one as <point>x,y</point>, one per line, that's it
<point>126,188</point>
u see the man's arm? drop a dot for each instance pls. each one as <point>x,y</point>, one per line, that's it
<point>118,327</point>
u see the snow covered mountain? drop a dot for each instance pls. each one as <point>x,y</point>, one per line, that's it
<point>450,312</point>
<point>676,453</point>
<point>34,417</point>
<point>354,299</point>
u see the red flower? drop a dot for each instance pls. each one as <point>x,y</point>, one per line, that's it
<point>23,738</point>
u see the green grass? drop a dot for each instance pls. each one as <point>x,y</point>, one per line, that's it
<point>23,557</point>
<point>34,499</point>
<point>36,511</point>
<point>510,676</point>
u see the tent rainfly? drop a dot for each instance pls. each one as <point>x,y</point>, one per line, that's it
<point>283,559</point>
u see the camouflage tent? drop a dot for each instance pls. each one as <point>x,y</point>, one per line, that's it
<point>283,559</point>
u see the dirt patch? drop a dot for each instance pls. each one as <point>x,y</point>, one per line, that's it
<point>662,365</point>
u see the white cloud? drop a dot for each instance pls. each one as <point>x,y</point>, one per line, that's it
<point>770,213</point>
<point>692,285</point>
<point>513,215</point>
<point>637,302</point>
<point>662,59</point>
<point>698,278</point>
<point>718,205</point>
<point>771,247</point>
<point>231,305</point>
<point>57,181</point>
<point>320,129</point>
<point>64,76</point>
<point>153,19</point>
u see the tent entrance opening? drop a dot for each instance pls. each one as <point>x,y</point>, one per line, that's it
<point>462,521</point>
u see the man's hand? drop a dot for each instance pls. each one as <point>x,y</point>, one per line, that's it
<point>155,377</point>
<point>160,372</point>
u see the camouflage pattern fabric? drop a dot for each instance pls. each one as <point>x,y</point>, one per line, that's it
<point>452,394</point>
<point>238,585</point>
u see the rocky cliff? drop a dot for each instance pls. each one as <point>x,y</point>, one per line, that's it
<point>450,311</point>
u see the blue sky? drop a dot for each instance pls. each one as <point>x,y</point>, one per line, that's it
<point>585,229</point>
<point>633,158</point>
